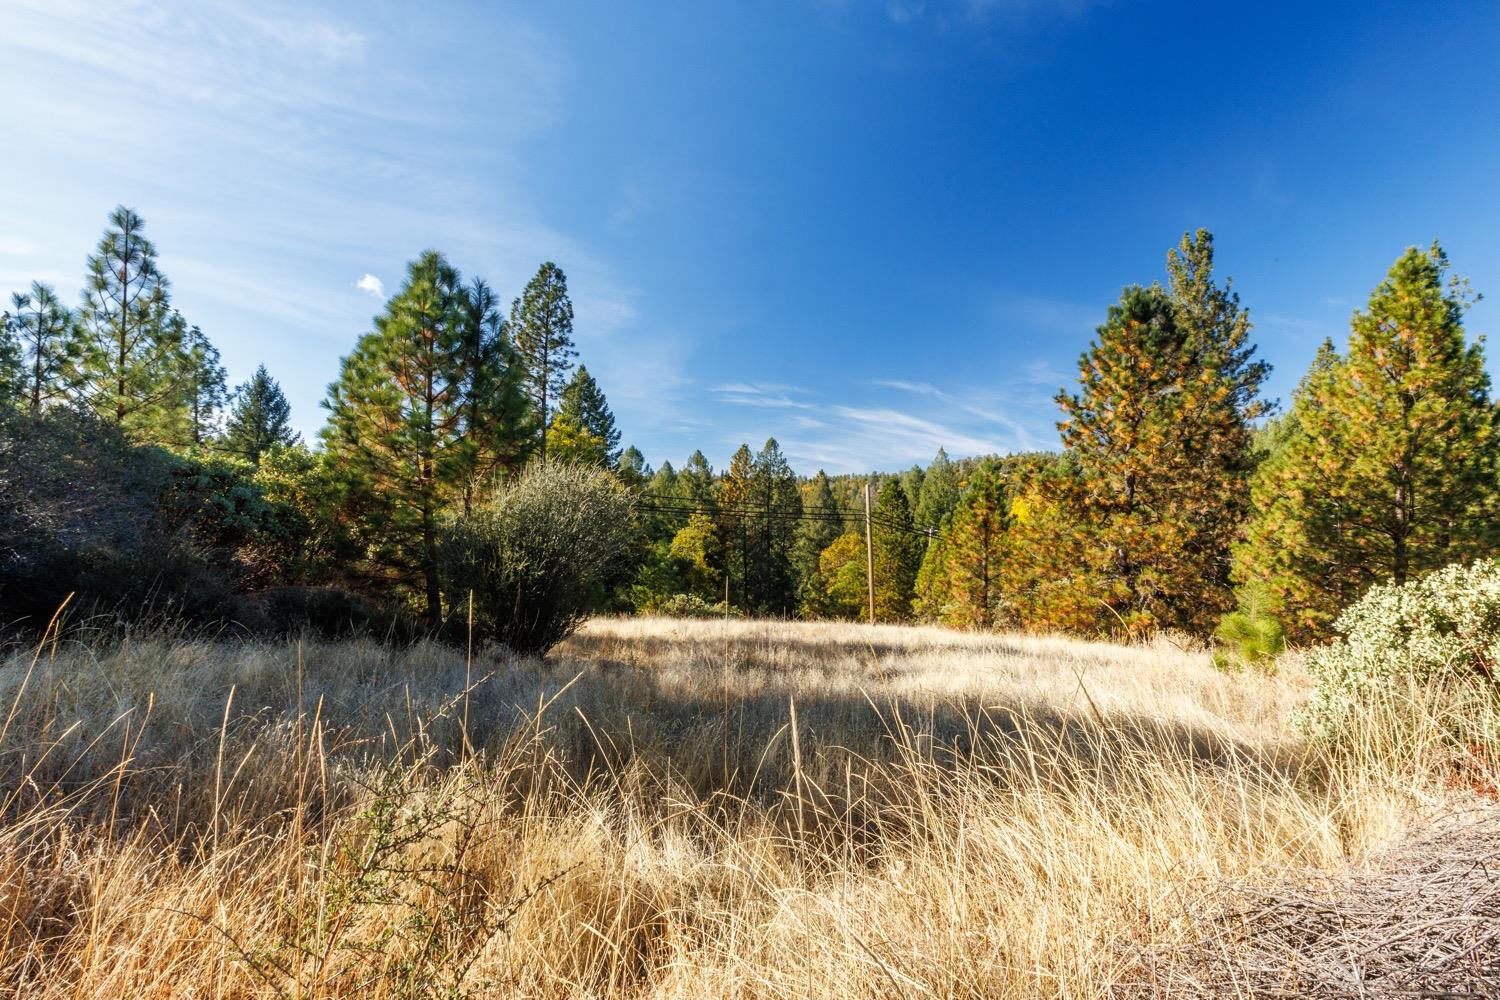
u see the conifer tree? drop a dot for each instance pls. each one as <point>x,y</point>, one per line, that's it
<point>204,392</point>
<point>734,495</point>
<point>633,470</point>
<point>696,481</point>
<point>583,429</point>
<point>42,326</point>
<point>541,323</point>
<point>128,358</point>
<point>404,423</point>
<point>778,505</point>
<point>898,553</point>
<point>260,419</point>
<point>812,536</point>
<point>960,581</point>
<point>938,495</point>
<point>1160,429</point>
<point>12,377</point>
<point>497,417</point>
<point>1387,467</point>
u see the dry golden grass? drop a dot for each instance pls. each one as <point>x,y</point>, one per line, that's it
<point>661,809</point>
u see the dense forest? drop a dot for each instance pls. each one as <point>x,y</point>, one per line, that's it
<point>135,485</point>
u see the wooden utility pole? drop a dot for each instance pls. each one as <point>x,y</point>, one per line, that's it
<point>869,553</point>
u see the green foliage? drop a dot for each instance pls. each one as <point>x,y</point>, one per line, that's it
<point>1442,628</point>
<point>12,378</point>
<point>1249,635</point>
<point>538,553</point>
<point>41,326</point>
<point>1387,467</point>
<point>898,553</point>
<point>260,419</point>
<point>811,538</point>
<point>412,421</point>
<point>130,359</point>
<point>959,583</point>
<point>541,327</point>
<point>938,495</point>
<point>841,570</point>
<point>583,430</point>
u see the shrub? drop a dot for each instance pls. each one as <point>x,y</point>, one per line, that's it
<point>1444,627</point>
<point>689,606</point>
<point>538,554</point>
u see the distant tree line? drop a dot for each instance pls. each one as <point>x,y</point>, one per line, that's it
<point>131,474</point>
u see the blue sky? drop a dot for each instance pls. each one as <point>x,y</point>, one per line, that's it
<point>866,228</point>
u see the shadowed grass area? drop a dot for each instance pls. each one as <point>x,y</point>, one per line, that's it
<point>661,808</point>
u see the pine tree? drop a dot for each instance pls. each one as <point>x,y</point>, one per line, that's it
<point>938,495</point>
<point>734,494</point>
<point>1160,429</point>
<point>404,423</point>
<point>43,326</point>
<point>777,501</point>
<point>541,323</point>
<point>696,482</point>
<point>633,470</point>
<point>964,567</point>
<point>583,429</point>
<point>1386,468</point>
<point>814,534</point>
<point>497,416</point>
<point>128,358</point>
<point>204,392</point>
<point>898,553</point>
<point>12,377</point>
<point>260,419</point>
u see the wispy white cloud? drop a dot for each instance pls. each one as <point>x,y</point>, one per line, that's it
<point>369,283</point>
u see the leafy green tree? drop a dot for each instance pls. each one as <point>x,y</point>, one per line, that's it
<point>128,358</point>
<point>405,426</point>
<point>541,325</point>
<point>583,429</point>
<point>898,553</point>
<point>43,326</point>
<point>1386,468</point>
<point>841,568</point>
<point>260,418</point>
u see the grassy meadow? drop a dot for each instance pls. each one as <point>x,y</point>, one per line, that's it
<point>665,808</point>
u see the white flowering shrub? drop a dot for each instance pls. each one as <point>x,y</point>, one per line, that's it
<point>1444,626</point>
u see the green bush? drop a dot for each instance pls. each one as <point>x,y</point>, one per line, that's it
<point>1442,628</point>
<point>688,606</point>
<point>538,554</point>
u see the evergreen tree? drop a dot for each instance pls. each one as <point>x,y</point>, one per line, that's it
<point>1160,429</point>
<point>778,502</point>
<point>696,481</point>
<point>1386,469</point>
<point>898,553</point>
<point>128,357</point>
<point>405,426</point>
<point>734,495</point>
<point>260,418</point>
<point>204,391</point>
<point>938,495</point>
<point>43,326</point>
<point>814,534</point>
<point>633,469</point>
<point>12,376</point>
<point>541,323</point>
<point>498,417</point>
<point>911,482</point>
<point>583,429</point>
<point>963,570</point>
<point>841,568</point>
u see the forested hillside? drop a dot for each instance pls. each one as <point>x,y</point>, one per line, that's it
<point>136,483</point>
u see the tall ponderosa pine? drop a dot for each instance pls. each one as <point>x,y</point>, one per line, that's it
<point>541,326</point>
<point>260,418</point>
<point>583,429</point>
<point>898,553</point>
<point>405,424</point>
<point>42,326</point>
<point>128,358</point>
<point>959,583</point>
<point>1161,432</point>
<point>634,471</point>
<point>499,433</point>
<point>1387,468</point>
<point>734,496</point>
<point>778,504</point>
<point>938,495</point>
